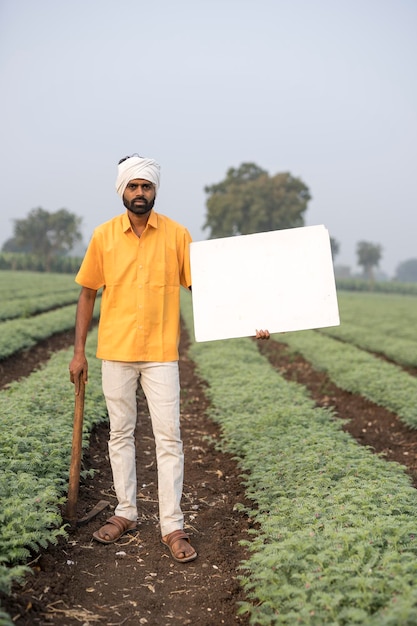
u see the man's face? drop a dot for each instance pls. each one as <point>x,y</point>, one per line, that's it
<point>139,196</point>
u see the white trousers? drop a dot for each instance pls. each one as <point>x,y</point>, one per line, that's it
<point>160,384</point>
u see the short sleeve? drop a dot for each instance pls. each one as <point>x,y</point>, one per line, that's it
<point>91,273</point>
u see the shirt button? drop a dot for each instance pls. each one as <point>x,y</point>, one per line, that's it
<point>140,267</point>
<point>140,286</point>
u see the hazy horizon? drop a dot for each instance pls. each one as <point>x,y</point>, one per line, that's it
<point>325,90</point>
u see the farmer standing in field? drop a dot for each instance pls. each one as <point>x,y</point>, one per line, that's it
<point>140,258</point>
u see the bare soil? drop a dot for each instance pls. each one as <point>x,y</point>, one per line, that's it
<point>135,581</point>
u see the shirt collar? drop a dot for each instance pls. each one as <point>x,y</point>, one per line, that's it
<point>152,220</point>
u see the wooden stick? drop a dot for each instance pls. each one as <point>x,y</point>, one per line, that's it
<point>75,467</point>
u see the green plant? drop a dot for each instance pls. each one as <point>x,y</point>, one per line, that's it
<point>334,538</point>
<point>36,420</point>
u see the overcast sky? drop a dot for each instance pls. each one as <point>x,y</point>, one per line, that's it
<point>324,89</point>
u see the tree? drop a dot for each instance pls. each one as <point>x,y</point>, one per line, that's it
<point>11,245</point>
<point>249,201</point>
<point>46,235</point>
<point>407,271</point>
<point>335,247</point>
<point>369,255</point>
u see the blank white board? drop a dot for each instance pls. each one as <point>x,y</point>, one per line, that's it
<point>278,281</point>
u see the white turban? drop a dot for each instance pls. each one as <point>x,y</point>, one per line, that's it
<point>137,167</point>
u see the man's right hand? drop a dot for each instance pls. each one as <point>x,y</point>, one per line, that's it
<point>77,368</point>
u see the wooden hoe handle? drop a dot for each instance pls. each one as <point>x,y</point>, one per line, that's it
<point>77,439</point>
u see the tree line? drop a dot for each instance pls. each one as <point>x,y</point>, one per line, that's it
<point>248,200</point>
<point>43,241</point>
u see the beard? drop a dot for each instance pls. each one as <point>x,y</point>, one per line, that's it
<point>141,208</point>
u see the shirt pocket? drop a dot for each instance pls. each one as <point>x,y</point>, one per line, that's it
<point>164,274</point>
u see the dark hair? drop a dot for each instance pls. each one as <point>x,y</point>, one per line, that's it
<point>129,157</point>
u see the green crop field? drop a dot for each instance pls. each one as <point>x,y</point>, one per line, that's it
<point>334,534</point>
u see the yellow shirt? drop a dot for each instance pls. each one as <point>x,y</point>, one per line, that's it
<point>141,278</point>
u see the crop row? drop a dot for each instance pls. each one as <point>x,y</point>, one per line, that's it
<point>28,285</point>
<point>357,371</point>
<point>26,307</point>
<point>36,421</point>
<point>401,351</point>
<point>335,531</point>
<point>20,334</point>
<point>384,324</point>
<point>390,315</point>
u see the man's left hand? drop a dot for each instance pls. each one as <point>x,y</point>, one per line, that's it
<point>262,334</point>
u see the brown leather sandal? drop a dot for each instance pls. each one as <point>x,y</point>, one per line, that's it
<point>170,541</point>
<point>113,529</point>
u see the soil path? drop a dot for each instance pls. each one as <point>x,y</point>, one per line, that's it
<point>135,581</point>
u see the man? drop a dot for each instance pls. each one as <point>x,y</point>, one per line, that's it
<point>140,259</point>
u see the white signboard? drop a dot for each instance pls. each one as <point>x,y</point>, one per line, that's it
<point>278,281</point>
